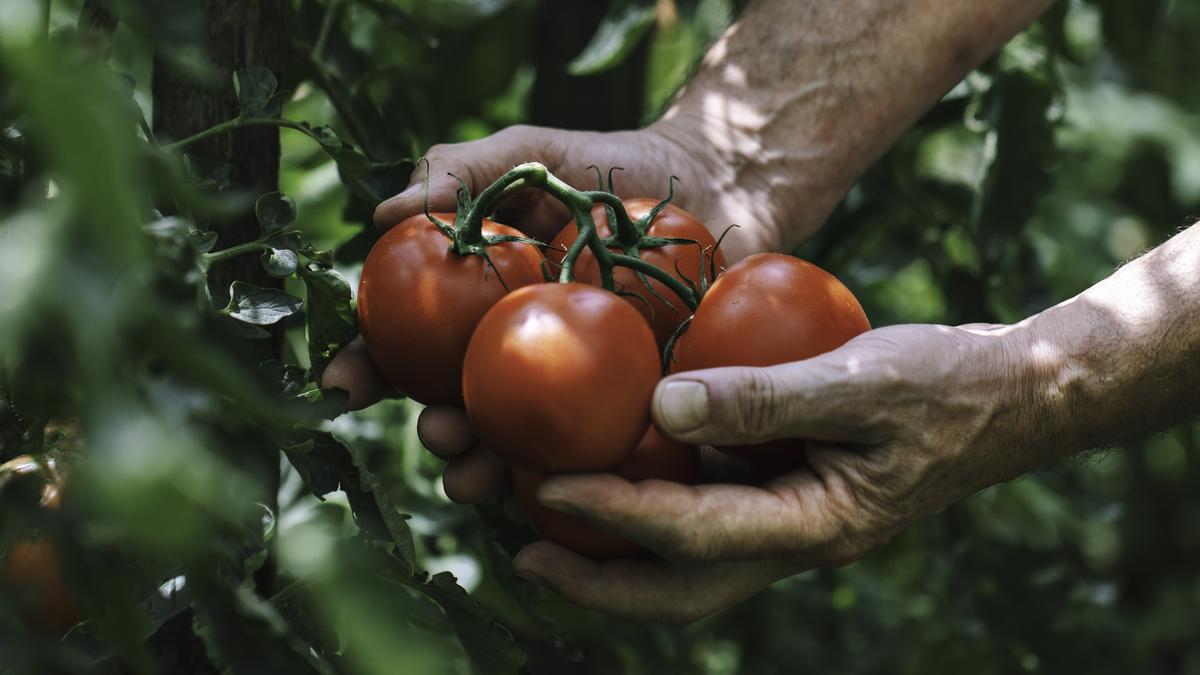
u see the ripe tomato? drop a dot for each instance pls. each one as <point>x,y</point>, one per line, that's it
<point>655,457</point>
<point>671,222</point>
<point>30,570</point>
<point>418,302</point>
<point>766,310</point>
<point>558,377</point>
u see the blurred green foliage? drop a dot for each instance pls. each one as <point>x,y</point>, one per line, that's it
<point>1068,153</point>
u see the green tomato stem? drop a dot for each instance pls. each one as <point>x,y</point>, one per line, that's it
<point>534,174</point>
<point>651,270</point>
<point>470,228</point>
<point>567,274</point>
<point>626,231</point>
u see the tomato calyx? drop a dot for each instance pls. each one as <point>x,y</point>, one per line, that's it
<point>466,233</point>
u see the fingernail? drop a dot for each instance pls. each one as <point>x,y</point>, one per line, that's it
<point>683,406</point>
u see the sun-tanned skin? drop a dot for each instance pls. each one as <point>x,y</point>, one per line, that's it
<point>904,420</point>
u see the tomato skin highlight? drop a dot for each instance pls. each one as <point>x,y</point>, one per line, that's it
<point>763,311</point>
<point>31,570</point>
<point>558,377</point>
<point>671,222</point>
<point>655,457</point>
<point>419,302</point>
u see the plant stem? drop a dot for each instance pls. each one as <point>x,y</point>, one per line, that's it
<point>470,228</point>
<point>331,13</point>
<point>626,231</point>
<point>237,123</point>
<point>665,278</point>
<point>567,274</point>
<point>207,259</point>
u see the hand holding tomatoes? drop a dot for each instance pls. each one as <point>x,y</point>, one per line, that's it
<point>903,421</point>
<point>767,310</point>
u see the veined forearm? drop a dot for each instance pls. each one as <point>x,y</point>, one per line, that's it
<point>800,96</point>
<point>1122,359</point>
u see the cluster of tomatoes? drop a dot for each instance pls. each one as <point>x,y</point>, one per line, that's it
<point>558,377</point>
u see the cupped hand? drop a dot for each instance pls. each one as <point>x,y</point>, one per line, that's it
<point>900,422</point>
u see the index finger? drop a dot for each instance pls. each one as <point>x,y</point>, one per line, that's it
<point>796,517</point>
<point>656,591</point>
<point>443,190</point>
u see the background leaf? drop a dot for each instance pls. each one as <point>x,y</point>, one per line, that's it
<point>260,306</point>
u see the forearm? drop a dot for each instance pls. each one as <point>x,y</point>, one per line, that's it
<point>800,96</point>
<point>1122,359</point>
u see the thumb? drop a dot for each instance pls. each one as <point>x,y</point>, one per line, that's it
<point>734,406</point>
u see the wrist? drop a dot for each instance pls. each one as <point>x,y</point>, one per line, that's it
<point>1049,384</point>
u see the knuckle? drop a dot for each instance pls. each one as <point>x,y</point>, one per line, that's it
<point>440,151</point>
<point>758,408</point>
<point>687,545</point>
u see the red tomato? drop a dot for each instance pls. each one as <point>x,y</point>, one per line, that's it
<point>418,302</point>
<point>671,222</point>
<point>558,377</point>
<point>766,310</point>
<point>655,457</point>
<point>31,568</point>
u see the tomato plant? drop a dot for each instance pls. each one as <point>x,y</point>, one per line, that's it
<point>686,262</point>
<point>656,457</point>
<point>766,310</point>
<point>31,570</point>
<point>558,377</point>
<point>419,301</point>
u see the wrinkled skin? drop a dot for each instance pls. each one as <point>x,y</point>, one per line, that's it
<point>419,302</point>
<point>656,457</point>
<point>662,309</point>
<point>809,313</point>
<point>557,361</point>
<point>31,569</point>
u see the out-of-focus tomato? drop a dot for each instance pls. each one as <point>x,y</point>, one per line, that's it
<point>31,570</point>
<point>673,223</point>
<point>419,302</point>
<point>558,377</point>
<point>656,457</point>
<point>763,311</point>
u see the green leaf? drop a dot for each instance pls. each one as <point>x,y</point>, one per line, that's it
<point>280,262</point>
<point>202,241</point>
<point>372,466</point>
<point>260,306</point>
<point>275,212</point>
<point>255,89</point>
<point>322,467</point>
<point>487,641</point>
<point>618,34</point>
<point>329,320</point>
<point>243,633</point>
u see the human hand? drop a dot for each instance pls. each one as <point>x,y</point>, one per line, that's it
<point>648,158</point>
<point>900,422</point>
